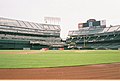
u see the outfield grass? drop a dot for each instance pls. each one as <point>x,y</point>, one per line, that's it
<point>57,58</point>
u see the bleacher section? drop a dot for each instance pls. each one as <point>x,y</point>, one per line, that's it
<point>37,35</point>
<point>95,37</point>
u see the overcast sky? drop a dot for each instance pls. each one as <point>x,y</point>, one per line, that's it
<point>71,12</point>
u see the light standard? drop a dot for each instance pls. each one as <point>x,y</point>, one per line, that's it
<point>84,42</point>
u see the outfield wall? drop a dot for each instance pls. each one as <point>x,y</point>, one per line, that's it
<point>19,44</point>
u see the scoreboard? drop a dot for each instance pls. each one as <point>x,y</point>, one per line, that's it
<point>92,23</point>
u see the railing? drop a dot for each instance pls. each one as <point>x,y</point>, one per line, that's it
<point>89,31</point>
<point>30,37</point>
<point>47,43</point>
<point>20,30</point>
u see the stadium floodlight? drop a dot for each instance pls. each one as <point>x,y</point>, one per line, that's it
<point>52,20</point>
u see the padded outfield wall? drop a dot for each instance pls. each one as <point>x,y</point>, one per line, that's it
<point>19,45</point>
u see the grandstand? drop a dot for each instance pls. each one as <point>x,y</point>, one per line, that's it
<point>94,36</point>
<point>17,34</point>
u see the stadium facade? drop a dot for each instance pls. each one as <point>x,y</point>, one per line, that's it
<point>94,35</point>
<point>17,34</point>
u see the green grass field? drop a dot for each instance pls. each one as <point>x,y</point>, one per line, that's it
<point>40,59</point>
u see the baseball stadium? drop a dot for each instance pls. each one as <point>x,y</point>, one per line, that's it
<point>16,34</point>
<point>94,35</point>
<point>30,50</point>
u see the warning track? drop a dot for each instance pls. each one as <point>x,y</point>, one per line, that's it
<point>101,71</point>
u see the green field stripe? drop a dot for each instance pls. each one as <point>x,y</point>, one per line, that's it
<point>58,58</point>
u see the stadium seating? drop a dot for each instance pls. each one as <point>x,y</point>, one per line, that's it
<point>96,37</point>
<point>38,35</point>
